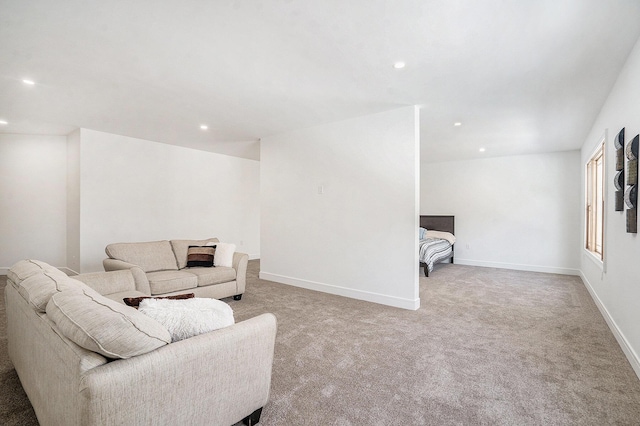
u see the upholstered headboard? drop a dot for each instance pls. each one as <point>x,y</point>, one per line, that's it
<point>438,223</point>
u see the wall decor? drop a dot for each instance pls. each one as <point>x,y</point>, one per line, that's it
<point>631,192</point>
<point>618,180</point>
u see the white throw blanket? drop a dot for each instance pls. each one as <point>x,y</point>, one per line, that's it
<point>188,317</point>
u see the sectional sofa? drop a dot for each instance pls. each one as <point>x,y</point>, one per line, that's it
<point>85,358</point>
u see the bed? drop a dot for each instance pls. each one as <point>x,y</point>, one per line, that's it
<point>436,245</point>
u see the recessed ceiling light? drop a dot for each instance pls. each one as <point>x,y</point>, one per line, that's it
<point>481,149</point>
<point>399,65</point>
<point>3,122</point>
<point>204,126</point>
<point>457,124</point>
<point>29,82</point>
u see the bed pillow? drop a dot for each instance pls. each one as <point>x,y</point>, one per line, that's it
<point>441,235</point>
<point>224,254</point>
<point>421,233</point>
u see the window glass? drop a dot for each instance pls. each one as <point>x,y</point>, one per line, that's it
<point>595,203</point>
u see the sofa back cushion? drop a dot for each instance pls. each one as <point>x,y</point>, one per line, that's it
<point>150,256</point>
<point>109,282</point>
<point>180,248</point>
<point>28,268</point>
<point>39,288</point>
<point>105,326</point>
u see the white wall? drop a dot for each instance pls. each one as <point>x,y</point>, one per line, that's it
<point>65,198</point>
<point>33,170</point>
<point>617,290</point>
<point>137,190</point>
<point>359,237</point>
<point>514,212</point>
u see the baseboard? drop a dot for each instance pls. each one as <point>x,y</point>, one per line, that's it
<point>254,256</point>
<point>631,355</point>
<point>4,271</point>
<point>518,267</point>
<point>383,299</point>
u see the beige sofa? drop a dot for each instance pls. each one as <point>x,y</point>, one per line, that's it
<point>216,378</point>
<point>161,269</point>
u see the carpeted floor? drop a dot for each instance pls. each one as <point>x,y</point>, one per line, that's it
<point>487,347</point>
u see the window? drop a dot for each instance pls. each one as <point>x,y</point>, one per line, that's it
<point>595,203</point>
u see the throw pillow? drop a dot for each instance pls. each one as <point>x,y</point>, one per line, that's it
<point>135,301</point>
<point>105,326</point>
<point>188,317</point>
<point>180,248</point>
<point>224,254</point>
<point>200,256</point>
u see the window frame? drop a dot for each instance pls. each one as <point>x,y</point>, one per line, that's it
<point>595,203</point>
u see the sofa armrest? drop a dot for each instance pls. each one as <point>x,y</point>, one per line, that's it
<point>139,276</point>
<point>215,378</point>
<point>240,261</point>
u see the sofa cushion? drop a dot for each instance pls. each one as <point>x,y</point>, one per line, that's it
<point>162,282</point>
<point>200,256</point>
<point>217,275</point>
<point>189,317</point>
<point>38,289</point>
<point>180,248</point>
<point>29,267</point>
<point>104,326</point>
<point>150,256</point>
<point>109,282</point>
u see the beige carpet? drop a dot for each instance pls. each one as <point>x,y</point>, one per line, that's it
<point>487,347</point>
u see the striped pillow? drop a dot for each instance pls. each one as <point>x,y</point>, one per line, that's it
<point>200,256</point>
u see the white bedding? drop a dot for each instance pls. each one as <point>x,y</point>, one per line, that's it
<point>442,235</point>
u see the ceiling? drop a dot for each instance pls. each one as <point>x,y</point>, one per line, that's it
<point>521,76</point>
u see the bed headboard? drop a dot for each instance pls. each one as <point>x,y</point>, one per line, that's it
<point>438,223</point>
